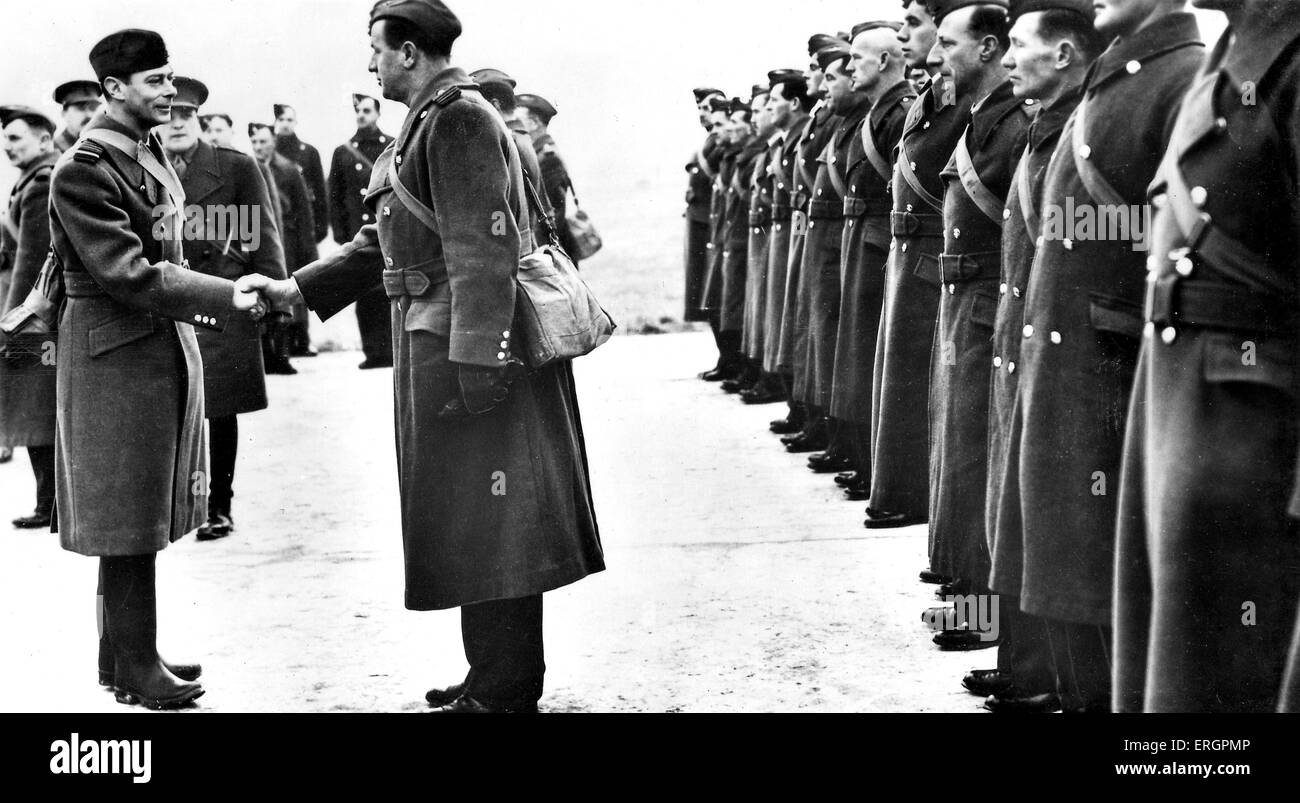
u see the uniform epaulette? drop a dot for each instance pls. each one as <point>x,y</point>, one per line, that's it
<point>452,93</point>
<point>88,151</point>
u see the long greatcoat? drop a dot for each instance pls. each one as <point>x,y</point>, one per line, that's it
<point>793,349</point>
<point>130,456</point>
<point>821,269</point>
<point>760,225</point>
<point>1019,234</point>
<point>699,193</point>
<point>1082,324</point>
<point>1208,503</point>
<point>963,345</point>
<point>27,384</point>
<point>863,251</point>
<point>778,247</point>
<point>498,505</point>
<point>218,179</point>
<point>900,384</point>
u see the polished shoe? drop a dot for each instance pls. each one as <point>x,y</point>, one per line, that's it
<point>738,385</point>
<point>441,697</point>
<point>805,443</point>
<point>465,704</point>
<point>829,463</point>
<point>6,454</point>
<point>962,640</point>
<point>760,395</point>
<point>952,588</point>
<point>984,682</point>
<point>1015,701</point>
<point>33,522</point>
<point>785,426</point>
<point>846,478</point>
<point>858,493</point>
<point>218,526</point>
<point>370,364</point>
<point>884,520</point>
<point>934,578</point>
<point>305,351</point>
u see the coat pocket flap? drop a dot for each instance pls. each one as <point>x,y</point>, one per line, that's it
<point>1111,314</point>
<point>118,332</point>
<point>1238,359</point>
<point>429,315</point>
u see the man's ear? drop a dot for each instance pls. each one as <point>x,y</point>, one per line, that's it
<point>114,88</point>
<point>1066,54</point>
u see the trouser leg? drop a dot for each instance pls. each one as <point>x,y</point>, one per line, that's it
<point>223,446</point>
<point>42,458</point>
<point>503,645</point>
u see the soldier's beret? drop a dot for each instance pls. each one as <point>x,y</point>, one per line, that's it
<point>488,75</point>
<point>831,54</point>
<point>126,52</point>
<point>819,40</point>
<point>357,97</point>
<point>739,105</point>
<point>538,105</point>
<point>1082,7</point>
<point>279,108</point>
<point>873,25</point>
<point>27,114</point>
<point>430,16</point>
<point>76,92</point>
<point>942,8</point>
<point>190,92</point>
<point>253,128</point>
<point>701,93</point>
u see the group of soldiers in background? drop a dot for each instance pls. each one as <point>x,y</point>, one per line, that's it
<point>1026,271</point>
<point>283,175</point>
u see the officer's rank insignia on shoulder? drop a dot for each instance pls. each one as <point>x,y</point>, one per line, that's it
<point>88,151</point>
<point>448,96</point>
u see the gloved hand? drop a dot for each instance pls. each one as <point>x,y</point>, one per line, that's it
<point>481,389</point>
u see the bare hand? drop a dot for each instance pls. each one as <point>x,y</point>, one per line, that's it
<point>248,299</point>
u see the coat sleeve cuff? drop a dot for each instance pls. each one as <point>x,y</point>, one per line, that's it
<point>211,305</point>
<point>485,349</point>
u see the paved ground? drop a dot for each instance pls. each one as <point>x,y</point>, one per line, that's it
<point>737,580</point>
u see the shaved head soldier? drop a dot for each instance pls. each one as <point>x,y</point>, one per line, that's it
<point>876,71</point>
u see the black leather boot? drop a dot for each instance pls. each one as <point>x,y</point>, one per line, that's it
<point>131,621</point>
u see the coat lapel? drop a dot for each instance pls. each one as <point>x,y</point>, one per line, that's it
<point>203,176</point>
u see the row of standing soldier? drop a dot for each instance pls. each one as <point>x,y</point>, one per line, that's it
<point>910,266</point>
<point>305,206</point>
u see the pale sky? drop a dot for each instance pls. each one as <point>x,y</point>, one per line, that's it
<point>620,73</point>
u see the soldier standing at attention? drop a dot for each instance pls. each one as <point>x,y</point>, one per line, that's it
<point>1053,42</point>
<point>314,217</point>
<point>216,179</point>
<point>699,192</point>
<point>80,100</point>
<point>788,105</point>
<point>900,390</point>
<point>793,349</point>
<point>823,245</point>
<point>1208,570</point>
<point>348,178</point>
<point>876,67</point>
<point>1083,324</point>
<point>732,273</point>
<point>130,376</point>
<point>27,384</point>
<point>727,150</point>
<point>535,114</point>
<point>467,421</point>
<point>972,41</point>
<point>767,388</point>
<point>295,235</point>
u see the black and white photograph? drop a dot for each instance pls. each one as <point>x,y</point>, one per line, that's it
<point>573,357</point>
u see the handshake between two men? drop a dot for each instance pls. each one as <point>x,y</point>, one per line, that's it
<point>481,389</point>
